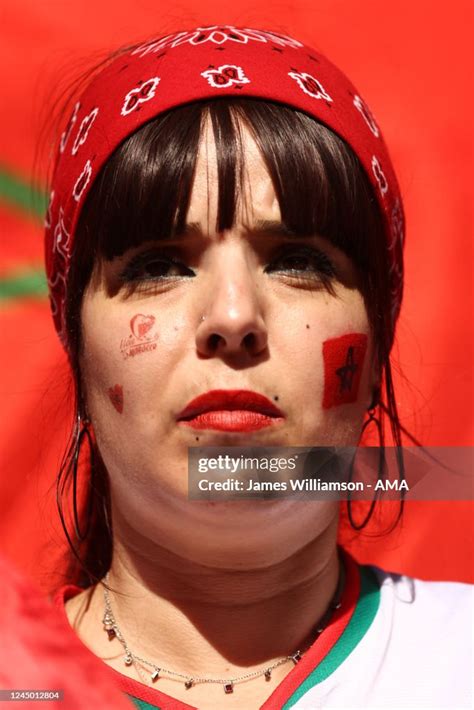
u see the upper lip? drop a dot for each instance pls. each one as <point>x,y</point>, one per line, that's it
<point>229,400</point>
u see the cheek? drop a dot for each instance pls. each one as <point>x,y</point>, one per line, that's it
<point>332,346</point>
<point>116,359</point>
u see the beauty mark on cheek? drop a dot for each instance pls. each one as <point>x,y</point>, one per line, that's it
<point>343,363</point>
<point>142,338</point>
<point>116,397</point>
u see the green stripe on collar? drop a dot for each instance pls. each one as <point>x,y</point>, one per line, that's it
<point>141,704</point>
<point>361,620</point>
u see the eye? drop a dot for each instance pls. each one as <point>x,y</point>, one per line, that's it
<point>303,261</point>
<point>153,267</point>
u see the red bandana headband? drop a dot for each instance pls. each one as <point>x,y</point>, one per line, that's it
<point>202,64</point>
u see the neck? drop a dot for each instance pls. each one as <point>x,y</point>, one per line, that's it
<point>207,620</point>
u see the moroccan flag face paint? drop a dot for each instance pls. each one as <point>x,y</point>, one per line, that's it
<point>343,363</point>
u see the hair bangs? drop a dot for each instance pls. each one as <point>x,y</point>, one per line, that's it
<point>320,184</point>
<point>144,190</point>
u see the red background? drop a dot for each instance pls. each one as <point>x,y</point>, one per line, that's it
<point>410,61</point>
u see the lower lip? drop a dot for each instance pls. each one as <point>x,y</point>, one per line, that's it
<point>231,420</point>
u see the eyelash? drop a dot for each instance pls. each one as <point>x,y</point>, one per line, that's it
<point>133,273</point>
<point>323,265</point>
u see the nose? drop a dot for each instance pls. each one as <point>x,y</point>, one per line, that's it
<point>232,322</point>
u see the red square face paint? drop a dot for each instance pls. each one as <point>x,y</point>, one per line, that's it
<point>343,362</point>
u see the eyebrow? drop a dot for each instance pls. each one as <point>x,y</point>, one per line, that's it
<point>263,226</point>
<point>260,227</point>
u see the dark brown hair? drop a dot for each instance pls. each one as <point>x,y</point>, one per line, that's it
<point>143,193</point>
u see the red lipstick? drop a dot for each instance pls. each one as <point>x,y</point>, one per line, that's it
<point>230,410</point>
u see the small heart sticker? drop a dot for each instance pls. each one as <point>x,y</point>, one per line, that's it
<point>140,325</point>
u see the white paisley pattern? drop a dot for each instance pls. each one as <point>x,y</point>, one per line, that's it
<point>139,95</point>
<point>61,239</point>
<point>218,35</point>
<point>82,181</point>
<point>363,109</point>
<point>225,76</point>
<point>67,131</point>
<point>379,176</point>
<point>310,85</point>
<point>84,128</point>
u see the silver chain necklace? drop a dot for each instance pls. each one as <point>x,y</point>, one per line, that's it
<point>113,631</point>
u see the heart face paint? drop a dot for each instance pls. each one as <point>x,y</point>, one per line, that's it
<point>116,397</point>
<point>343,362</point>
<point>141,338</point>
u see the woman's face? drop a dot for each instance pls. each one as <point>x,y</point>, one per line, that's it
<point>247,309</point>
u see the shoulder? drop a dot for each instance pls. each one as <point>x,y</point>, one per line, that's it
<point>423,631</point>
<point>414,650</point>
<point>420,601</point>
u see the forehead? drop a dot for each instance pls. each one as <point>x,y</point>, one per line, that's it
<point>256,198</point>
